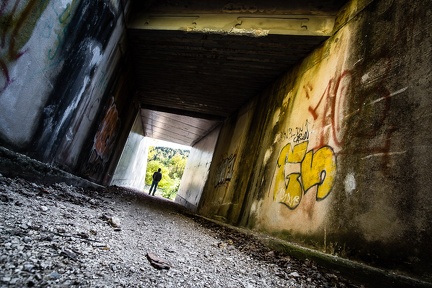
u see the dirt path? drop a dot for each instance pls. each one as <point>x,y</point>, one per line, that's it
<point>64,236</point>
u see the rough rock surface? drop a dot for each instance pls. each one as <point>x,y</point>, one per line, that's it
<point>65,236</point>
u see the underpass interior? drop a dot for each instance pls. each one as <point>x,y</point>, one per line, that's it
<point>208,59</point>
<point>197,64</point>
<point>307,120</point>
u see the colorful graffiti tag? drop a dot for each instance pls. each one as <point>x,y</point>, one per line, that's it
<point>17,23</point>
<point>326,110</point>
<point>104,141</point>
<point>225,170</point>
<point>298,170</point>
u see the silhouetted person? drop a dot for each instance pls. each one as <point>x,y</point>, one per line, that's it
<point>157,176</point>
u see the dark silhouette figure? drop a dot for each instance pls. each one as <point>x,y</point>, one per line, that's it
<point>157,176</point>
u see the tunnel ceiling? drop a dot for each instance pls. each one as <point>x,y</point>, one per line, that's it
<point>197,62</point>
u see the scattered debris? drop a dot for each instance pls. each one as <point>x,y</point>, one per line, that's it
<point>169,250</point>
<point>70,254</point>
<point>66,244</point>
<point>114,221</point>
<point>157,262</point>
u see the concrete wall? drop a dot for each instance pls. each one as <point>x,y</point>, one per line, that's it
<point>223,194</point>
<point>336,155</point>
<point>131,168</point>
<point>60,81</point>
<point>196,171</point>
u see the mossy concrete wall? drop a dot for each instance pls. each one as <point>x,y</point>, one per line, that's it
<point>335,155</point>
<point>63,69</point>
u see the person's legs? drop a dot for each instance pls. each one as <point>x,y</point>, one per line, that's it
<point>151,187</point>
<point>155,187</point>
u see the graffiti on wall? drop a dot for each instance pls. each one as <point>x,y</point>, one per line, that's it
<point>298,170</point>
<point>301,167</point>
<point>103,143</point>
<point>225,170</point>
<point>299,134</point>
<point>330,111</point>
<point>17,23</point>
<point>326,111</point>
<point>63,17</point>
<point>79,89</point>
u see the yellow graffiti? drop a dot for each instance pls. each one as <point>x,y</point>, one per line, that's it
<point>319,168</point>
<point>316,169</point>
<point>293,192</point>
<point>290,155</point>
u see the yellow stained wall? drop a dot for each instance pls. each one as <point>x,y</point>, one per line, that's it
<point>309,134</point>
<point>334,156</point>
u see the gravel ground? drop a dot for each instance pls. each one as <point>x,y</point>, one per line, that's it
<point>65,236</point>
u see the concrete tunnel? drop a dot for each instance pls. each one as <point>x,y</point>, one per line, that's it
<point>308,120</point>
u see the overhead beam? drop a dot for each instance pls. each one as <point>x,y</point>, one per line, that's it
<point>183,112</point>
<point>238,24</point>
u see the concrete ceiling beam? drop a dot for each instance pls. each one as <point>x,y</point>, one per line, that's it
<point>238,24</point>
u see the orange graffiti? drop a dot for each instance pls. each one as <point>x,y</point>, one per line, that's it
<point>104,139</point>
<point>103,143</point>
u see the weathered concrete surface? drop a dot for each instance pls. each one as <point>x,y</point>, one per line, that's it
<point>238,24</point>
<point>219,198</point>
<point>13,165</point>
<point>62,71</point>
<point>336,156</point>
<point>196,171</point>
<point>131,168</point>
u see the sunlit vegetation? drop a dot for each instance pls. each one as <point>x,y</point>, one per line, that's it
<point>172,162</point>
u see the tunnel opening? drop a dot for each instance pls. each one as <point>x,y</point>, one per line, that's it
<point>170,159</point>
<point>165,140</point>
<point>142,156</point>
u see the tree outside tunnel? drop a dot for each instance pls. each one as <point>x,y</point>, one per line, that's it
<point>172,162</point>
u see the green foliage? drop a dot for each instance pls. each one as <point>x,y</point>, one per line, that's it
<point>152,166</point>
<point>172,163</point>
<point>171,191</point>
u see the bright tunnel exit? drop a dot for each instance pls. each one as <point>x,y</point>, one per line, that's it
<point>142,156</point>
<point>184,166</point>
<point>169,159</point>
